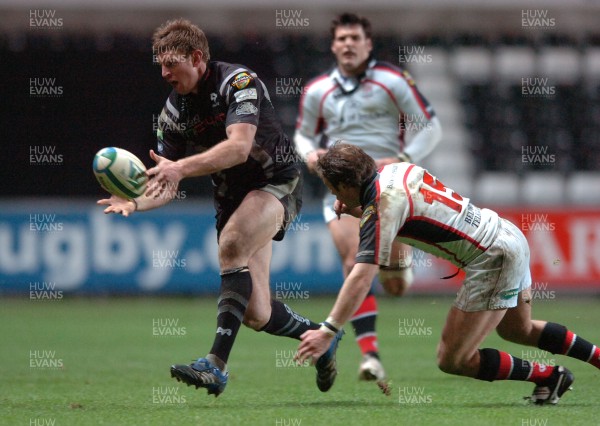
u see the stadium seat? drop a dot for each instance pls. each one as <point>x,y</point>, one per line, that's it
<point>590,64</point>
<point>496,188</point>
<point>455,137</point>
<point>435,63</point>
<point>583,188</point>
<point>459,182</point>
<point>515,63</point>
<point>543,188</point>
<point>473,64</point>
<point>559,64</point>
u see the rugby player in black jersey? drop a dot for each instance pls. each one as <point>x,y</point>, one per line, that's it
<point>222,112</point>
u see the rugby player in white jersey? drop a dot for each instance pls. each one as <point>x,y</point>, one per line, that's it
<point>405,202</point>
<point>368,103</point>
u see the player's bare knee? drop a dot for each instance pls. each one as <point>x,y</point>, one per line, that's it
<point>255,322</point>
<point>450,363</point>
<point>395,286</point>
<point>230,249</point>
<point>396,281</point>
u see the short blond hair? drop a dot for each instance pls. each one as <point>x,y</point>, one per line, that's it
<point>180,35</point>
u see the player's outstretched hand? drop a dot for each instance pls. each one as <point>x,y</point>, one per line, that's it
<point>117,205</point>
<point>164,177</point>
<point>314,344</point>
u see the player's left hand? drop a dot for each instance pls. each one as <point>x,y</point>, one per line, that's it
<point>164,177</point>
<point>117,205</point>
<point>314,344</point>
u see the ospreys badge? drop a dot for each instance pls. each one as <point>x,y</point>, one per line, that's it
<point>369,211</point>
<point>241,80</point>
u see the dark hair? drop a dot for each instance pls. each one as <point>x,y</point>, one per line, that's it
<point>350,19</point>
<point>347,164</point>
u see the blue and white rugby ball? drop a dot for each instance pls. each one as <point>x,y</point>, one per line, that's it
<point>120,172</point>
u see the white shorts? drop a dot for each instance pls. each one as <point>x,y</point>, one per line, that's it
<point>495,278</point>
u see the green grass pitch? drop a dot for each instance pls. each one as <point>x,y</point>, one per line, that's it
<point>106,362</point>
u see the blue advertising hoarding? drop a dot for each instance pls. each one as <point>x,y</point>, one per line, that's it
<point>72,246</point>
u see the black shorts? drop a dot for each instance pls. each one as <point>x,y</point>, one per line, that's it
<point>288,193</point>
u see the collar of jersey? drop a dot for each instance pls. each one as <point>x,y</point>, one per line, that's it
<point>341,81</point>
<point>367,189</point>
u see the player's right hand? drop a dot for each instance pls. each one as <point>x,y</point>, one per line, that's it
<point>312,158</point>
<point>117,205</point>
<point>340,208</point>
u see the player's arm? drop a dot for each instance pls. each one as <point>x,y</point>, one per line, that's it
<point>316,342</point>
<point>307,129</point>
<point>412,103</point>
<point>232,151</point>
<point>357,284</point>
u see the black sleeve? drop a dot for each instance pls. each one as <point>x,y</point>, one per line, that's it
<point>244,95</point>
<point>170,142</point>
<point>367,247</point>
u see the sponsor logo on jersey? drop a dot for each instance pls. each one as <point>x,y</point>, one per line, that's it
<point>241,80</point>
<point>245,94</point>
<point>246,108</point>
<point>369,211</point>
<point>509,294</point>
<point>199,123</point>
<point>408,77</point>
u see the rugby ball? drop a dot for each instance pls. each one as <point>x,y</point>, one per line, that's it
<point>120,172</point>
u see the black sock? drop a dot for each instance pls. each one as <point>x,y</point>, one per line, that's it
<point>236,289</point>
<point>285,322</point>
<point>557,339</point>
<point>498,365</point>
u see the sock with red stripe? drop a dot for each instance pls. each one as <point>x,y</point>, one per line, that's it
<point>498,365</point>
<point>557,339</point>
<point>363,322</point>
